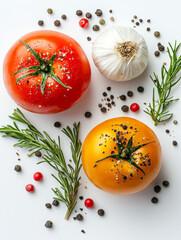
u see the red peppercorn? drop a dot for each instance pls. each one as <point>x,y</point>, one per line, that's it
<point>134,107</point>
<point>84,23</point>
<point>30,188</point>
<point>38,176</point>
<point>89,203</point>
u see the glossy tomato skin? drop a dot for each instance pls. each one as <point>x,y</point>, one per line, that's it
<point>121,177</point>
<point>71,66</point>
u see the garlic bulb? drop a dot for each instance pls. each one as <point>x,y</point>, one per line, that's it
<point>120,53</point>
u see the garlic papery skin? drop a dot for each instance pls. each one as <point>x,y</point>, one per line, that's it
<point>120,53</point>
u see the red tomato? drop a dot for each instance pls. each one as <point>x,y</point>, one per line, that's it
<point>56,85</point>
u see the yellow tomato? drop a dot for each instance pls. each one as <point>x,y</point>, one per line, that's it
<point>121,156</point>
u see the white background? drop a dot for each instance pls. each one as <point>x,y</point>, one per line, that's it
<point>22,215</point>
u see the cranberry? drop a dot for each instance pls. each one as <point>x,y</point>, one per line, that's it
<point>38,176</point>
<point>83,23</point>
<point>134,107</point>
<point>89,203</point>
<point>30,188</point>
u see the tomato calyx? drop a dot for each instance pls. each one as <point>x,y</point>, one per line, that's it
<point>44,69</point>
<point>125,152</point>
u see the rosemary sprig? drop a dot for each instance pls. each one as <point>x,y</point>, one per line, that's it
<point>158,109</point>
<point>34,140</point>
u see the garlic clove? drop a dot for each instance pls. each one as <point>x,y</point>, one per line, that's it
<point>120,53</point>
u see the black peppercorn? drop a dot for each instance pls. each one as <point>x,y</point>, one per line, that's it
<point>48,205</point>
<point>112,97</point>
<point>157,188</point>
<point>83,231</point>
<point>55,203</point>
<point>141,20</point>
<point>57,23</point>
<point>40,22</point>
<point>154,200</point>
<point>100,212</point>
<point>148,20</point>
<point>88,38</point>
<point>167,131</point>
<point>140,89</point>
<point>125,108</point>
<point>98,12</point>
<point>38,154</point>
<point>110,10</point>
<point>123,97</point>
<point>174,143</point>
<point>64,17</point>
<point>137,23</point>
<point>96,28</point>
<point>100,105</point>
<point>48,224</point>
<point>157,53</point>
<point>103,110</point>
<point>148,29</point>
<point>88,114</point>
<point>109,88</point>
<point>79,217</point>
<point>104,94</point>
<point>88,15</point>
<point>81,197</point>
<point>161,48</point>
<point>129,93</point>
<point>17,168</point>
<point>57,124</point>
<point>79,13</point>
<point>165,183</point>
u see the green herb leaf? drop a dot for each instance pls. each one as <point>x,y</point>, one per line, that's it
<point>125,152</point>
<point>44,69</point>
<point>34,53</point>
<point>32,139</point>
<point>158,109</point>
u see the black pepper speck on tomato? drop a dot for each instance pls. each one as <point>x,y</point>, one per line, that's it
<point>51,60</point>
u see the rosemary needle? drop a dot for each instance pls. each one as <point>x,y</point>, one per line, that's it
<point>158,109</point>
<point>34,140</point>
